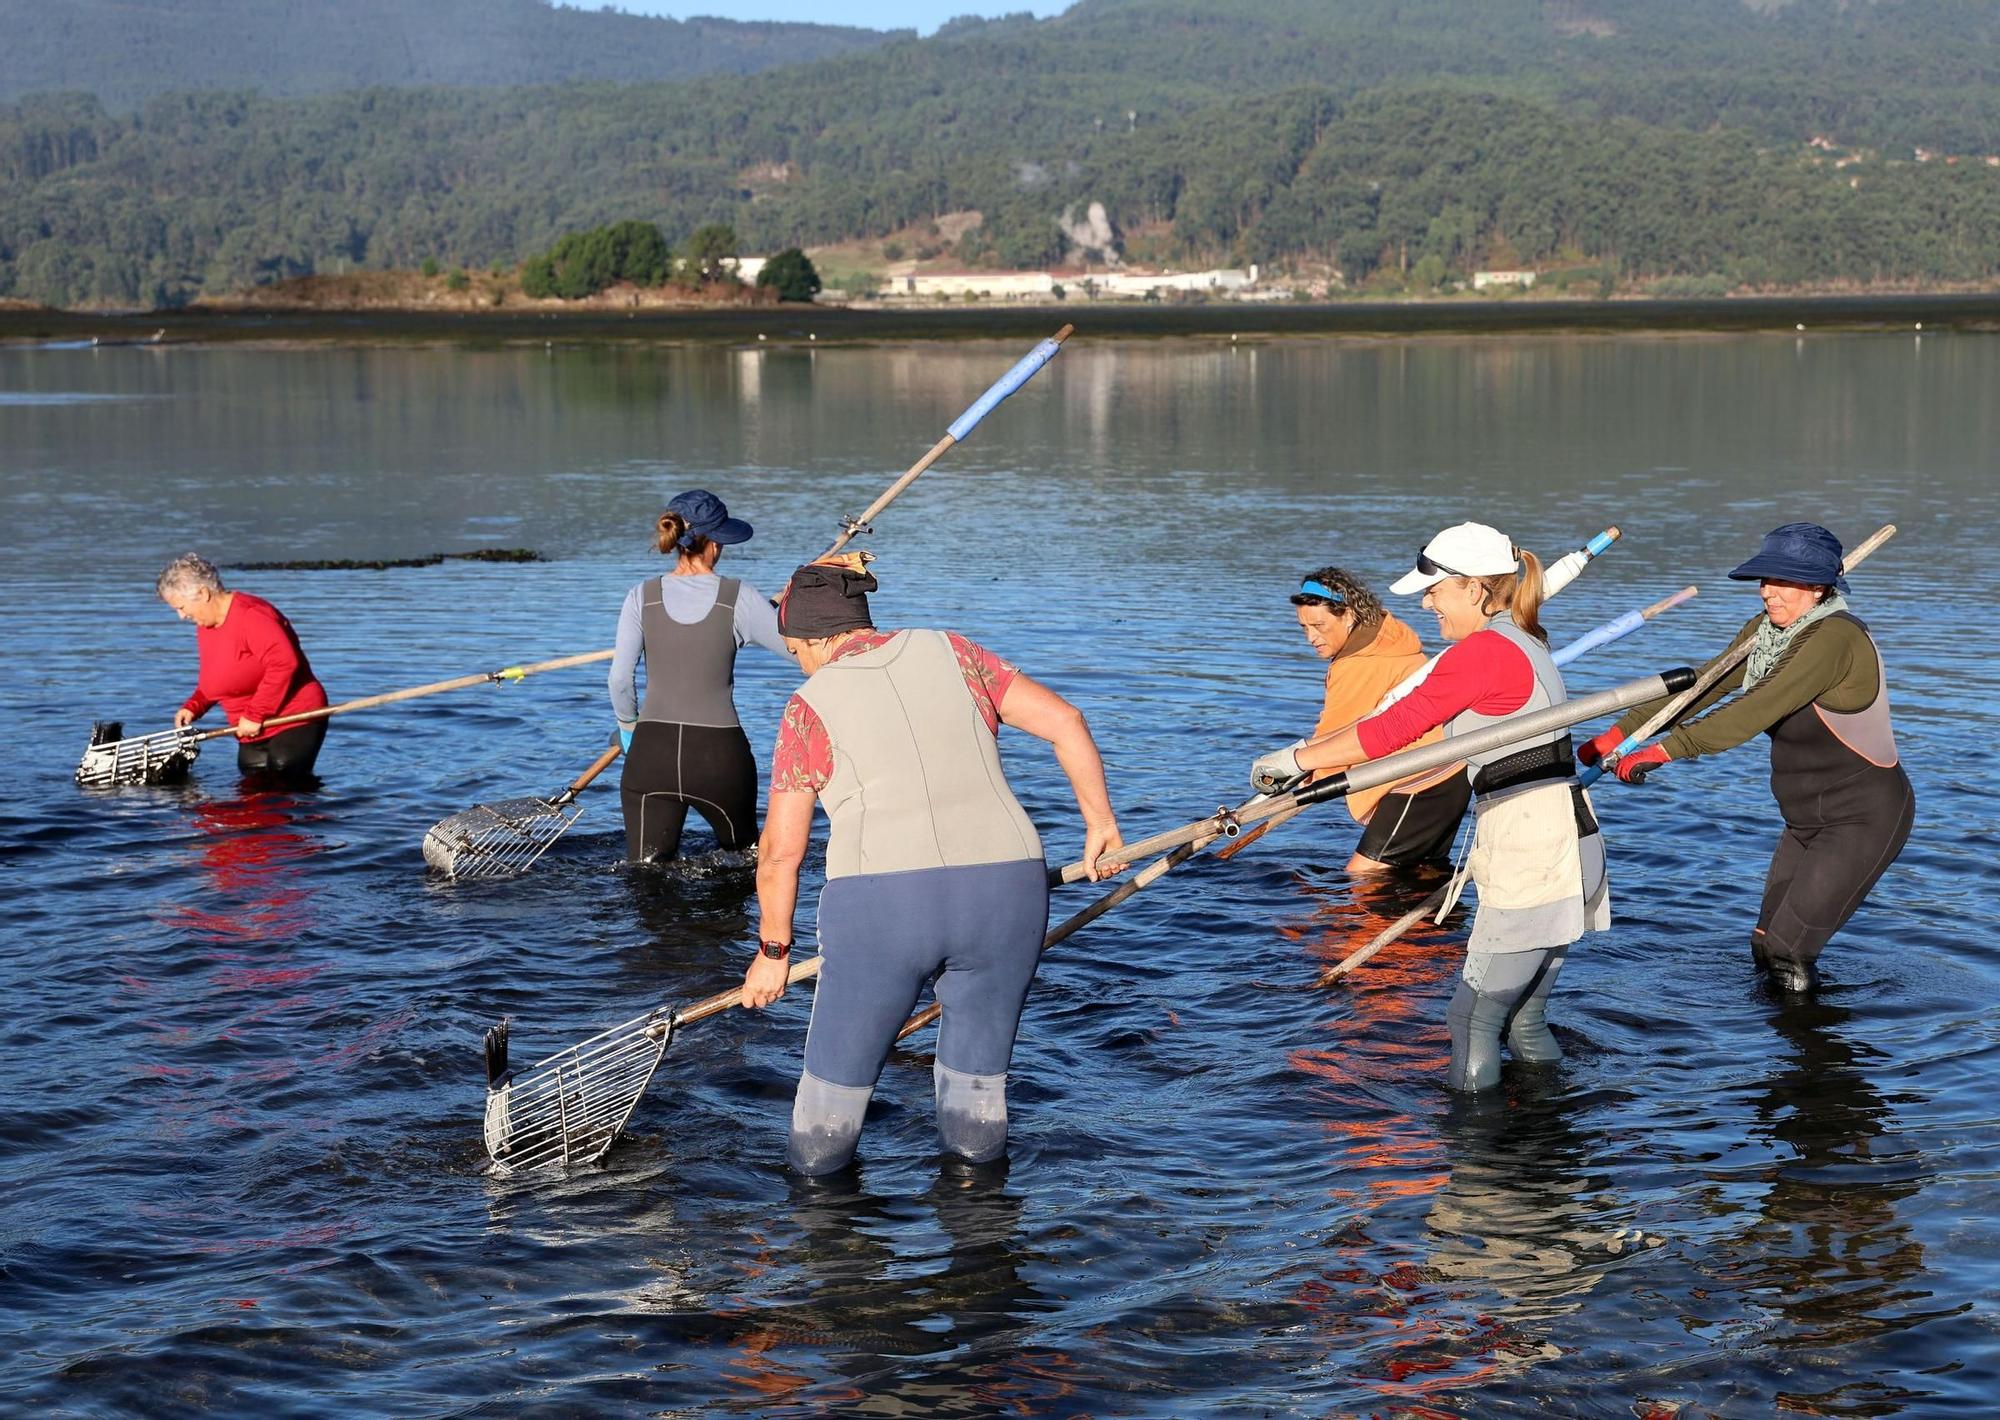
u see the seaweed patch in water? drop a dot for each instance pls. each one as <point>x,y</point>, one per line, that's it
<point>365,564</point>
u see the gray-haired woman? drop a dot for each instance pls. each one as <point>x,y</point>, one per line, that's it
<point>250,663</point>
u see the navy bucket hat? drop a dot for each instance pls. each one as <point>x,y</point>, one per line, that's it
<point>1797,552</point>
<point>706,516</point>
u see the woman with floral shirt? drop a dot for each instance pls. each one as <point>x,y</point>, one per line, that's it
<point>934,873</point>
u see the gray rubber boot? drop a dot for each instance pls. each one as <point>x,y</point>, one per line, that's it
<point>826,1124</point>
<point>1528,1033</point>
<point>1475,1019</point>
<point>971,1114</point>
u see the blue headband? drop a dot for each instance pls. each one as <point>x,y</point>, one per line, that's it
<point>1321,589</point>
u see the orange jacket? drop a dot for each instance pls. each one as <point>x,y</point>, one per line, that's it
<point>1356,681</point>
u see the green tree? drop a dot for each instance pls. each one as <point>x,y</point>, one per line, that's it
<point>538,277</point>
<point>637,253</point>
<point>708,249</point>
<point>791,272</point>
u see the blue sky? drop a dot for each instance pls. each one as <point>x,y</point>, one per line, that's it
<point>925,15</point>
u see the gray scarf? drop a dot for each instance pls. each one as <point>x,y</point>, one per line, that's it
<point>1771,644</point>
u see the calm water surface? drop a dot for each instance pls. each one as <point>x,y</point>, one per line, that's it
<point>240,1147</point>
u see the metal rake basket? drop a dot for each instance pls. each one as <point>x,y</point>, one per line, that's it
<point>496,840</point>
<point>568,1109</point>
<point>111,759</point>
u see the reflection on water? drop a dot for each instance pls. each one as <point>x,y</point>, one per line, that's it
<point>241,1160</point>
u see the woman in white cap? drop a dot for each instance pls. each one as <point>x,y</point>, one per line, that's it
<point>934,875</point>
<point>683,744</point>
<point>1536,857</point>
<point>1814,682</point>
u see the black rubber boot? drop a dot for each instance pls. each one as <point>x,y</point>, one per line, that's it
<point>1792,977</point>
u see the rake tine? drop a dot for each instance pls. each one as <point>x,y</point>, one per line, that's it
<point>496,1055</point>
<point>571,1107</point>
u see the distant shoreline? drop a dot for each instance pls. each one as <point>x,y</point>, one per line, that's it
<point>800,324</point>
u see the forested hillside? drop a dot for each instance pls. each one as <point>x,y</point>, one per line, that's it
<point>1659,139</point>
<point>125,51</point>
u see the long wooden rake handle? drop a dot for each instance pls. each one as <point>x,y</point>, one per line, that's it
<point>1406,763</point>
<point>1146,876</point>
<point>729,1000</point>
<point>1728,662</point>
<point>417,692</point>
<point>1023,371</point>
<point>582,781</point>
<point>1387,935</point>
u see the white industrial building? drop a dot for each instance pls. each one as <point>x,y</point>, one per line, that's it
<point>1032,285</point>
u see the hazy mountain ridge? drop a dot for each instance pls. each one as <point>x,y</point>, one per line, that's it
<point>126,51</point>
<point>1663,139</point>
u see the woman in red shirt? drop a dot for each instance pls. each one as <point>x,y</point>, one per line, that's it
<point>249,663</point>
<point>1536,857</point>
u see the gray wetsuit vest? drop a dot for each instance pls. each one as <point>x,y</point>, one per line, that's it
<point>916,779</point>
<point>1548,690</point>
<point>690,669</point>
<point>1536,852</point>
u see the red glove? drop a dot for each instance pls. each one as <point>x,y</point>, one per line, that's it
<point>1590,751</point>
<point>1634,767</point>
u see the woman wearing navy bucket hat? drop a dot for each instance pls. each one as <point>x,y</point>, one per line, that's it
<point>683,743</point>
<point>1815,683</point>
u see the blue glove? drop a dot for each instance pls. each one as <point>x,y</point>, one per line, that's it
<point>624,738</point>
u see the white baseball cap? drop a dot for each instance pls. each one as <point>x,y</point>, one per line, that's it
<point>1463,550</point>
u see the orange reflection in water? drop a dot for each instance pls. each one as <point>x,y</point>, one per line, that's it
<point>1383,1033</point>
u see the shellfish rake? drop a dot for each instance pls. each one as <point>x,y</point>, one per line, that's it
<point>568,1109</point>
<point>165,756</point>
<point>498,840</point>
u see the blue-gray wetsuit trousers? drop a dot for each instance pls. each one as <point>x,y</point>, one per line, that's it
<point>1502,991</point>
<point>975,931</point>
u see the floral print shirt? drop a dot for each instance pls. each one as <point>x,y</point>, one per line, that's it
<point>803,760</point>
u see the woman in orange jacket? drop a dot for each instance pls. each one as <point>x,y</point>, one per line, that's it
<point>1368,652</point>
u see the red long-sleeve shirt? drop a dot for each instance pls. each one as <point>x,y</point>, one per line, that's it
<point>253,666</point>
<point>1484,672</point>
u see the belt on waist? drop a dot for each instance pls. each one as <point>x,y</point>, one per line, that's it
<point>1528,766</point>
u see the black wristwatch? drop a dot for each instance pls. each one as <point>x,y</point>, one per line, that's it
<point>776,951</point>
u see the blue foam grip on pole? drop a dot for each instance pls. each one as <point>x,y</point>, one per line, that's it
<point>1595,547</point>
<point>1611,630</point>
<point>1004,386</point>
<point>1596,771</point>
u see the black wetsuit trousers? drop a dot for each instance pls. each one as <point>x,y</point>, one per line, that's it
<point>672,768</point>
<point>1828,859</point>
<point>286,757</point>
